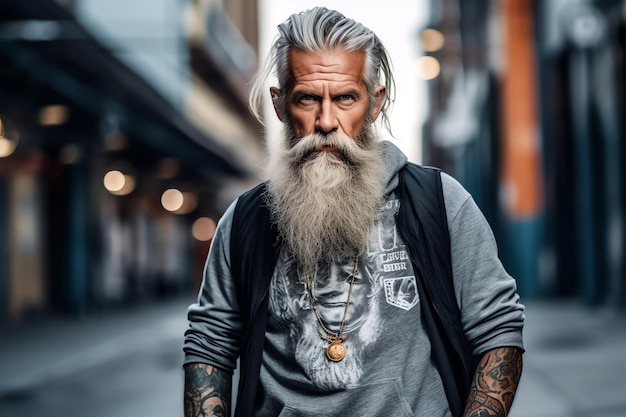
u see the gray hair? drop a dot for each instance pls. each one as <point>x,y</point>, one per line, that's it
<point>316,30</point>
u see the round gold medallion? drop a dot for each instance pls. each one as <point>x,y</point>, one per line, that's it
<point>336,351</point>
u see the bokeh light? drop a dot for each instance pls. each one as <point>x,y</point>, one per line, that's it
<point>172,199</point>
<point>428,68</point>
<point>114,181</point>
<point>203,229</point>
<point>432,40</point>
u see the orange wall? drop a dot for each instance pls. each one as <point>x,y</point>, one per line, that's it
<point>521,164</point>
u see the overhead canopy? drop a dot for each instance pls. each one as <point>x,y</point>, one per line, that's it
<point>44,48</point>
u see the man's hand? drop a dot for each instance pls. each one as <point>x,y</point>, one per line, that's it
<point>495,383</point>
<point>207,391</point>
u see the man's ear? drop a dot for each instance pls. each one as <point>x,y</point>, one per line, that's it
<point>275,93</point>
<point>380,94</point>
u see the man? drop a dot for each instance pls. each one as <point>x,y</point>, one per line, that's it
<point>372,287</point>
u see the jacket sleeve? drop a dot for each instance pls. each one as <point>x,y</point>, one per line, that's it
<point>492,315</point>
<point>215,325</point>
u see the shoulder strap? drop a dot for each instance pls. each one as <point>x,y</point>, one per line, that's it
<point>423,223</point>
<point>254,248</point>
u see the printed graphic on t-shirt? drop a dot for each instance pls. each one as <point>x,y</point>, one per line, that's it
<point>401,292</point>
<point>384,277</point>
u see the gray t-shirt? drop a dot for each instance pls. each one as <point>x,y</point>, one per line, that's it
<point>388,368</point>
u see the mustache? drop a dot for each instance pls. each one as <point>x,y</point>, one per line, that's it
<point>308,146</point>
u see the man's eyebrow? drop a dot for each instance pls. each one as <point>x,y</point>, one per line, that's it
<point>303,92</point>
<point>339,92</point>
<point>349,92</point>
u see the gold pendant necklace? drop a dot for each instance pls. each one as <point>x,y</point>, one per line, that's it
<point>336,350</point>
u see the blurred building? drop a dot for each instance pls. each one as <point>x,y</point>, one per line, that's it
<point>526,109</point>
<point>125,135</point>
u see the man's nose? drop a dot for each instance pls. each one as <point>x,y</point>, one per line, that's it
<point>326,121</point>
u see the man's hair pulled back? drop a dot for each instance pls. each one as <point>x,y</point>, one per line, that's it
<point>314,31</point>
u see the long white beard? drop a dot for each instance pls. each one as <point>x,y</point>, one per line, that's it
<point>325,203</point>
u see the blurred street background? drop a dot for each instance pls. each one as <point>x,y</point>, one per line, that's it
<point>125,134</point>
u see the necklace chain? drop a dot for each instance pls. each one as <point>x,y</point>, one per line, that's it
<point>330,335</point>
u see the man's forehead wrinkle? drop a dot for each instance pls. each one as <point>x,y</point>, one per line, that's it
<point>321,71</point>
<point>324,67</point>
<point>314,78</point>
<point>327,66</point>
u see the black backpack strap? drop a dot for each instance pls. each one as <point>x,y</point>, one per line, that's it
<point>423,223</point>
<point>254,248</point>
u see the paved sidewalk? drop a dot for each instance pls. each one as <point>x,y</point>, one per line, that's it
<point>575,364</point>
<point>36,353</point>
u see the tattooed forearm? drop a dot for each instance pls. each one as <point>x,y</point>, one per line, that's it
<point>495,383</point>
<point>207,391</point>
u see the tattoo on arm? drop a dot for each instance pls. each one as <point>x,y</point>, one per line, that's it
<point>207,391</point>
<point>495,382</point>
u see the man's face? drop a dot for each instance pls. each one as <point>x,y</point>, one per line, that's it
<point>330,294</point>
<point>326,181</point>
<point>329,94</point>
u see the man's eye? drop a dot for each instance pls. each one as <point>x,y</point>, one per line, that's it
<point>345,97</point>
<point>307,97</point>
